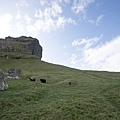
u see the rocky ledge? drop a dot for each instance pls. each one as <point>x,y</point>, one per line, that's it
<point>21,44</point>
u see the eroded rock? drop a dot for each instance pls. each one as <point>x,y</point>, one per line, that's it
<point>3,84</point>
<point>13,74</point>
<point>21,44</point>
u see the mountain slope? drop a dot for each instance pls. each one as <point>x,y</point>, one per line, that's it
<point>69,94</point>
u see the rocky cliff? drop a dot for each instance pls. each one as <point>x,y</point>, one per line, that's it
<point>21,44</point>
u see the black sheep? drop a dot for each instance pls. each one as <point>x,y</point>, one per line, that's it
<point>43,80</point>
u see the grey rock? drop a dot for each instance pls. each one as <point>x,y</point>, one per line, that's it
<point>21,44</point>
<point>13,74</point>
<point>3,84</point>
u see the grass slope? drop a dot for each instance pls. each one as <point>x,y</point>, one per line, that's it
<point>91,96</point>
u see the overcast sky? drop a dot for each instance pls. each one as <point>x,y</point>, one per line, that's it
<point>83,34</point>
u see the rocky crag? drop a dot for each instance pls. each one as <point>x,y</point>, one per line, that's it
<point>23,44</point>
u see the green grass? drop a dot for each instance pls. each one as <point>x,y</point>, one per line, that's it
<point>17,55</point>
<point>92,95</point>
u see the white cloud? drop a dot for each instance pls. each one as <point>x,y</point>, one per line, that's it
<point>71,21</point>
<point>97,21</point>
<point>86,42</point>
<point>74,59</point>
<point>102,57</point>
<point>22,3</point>
<point>18,16</point>
<point>41,25</point>
<point>79,6</point>
<point>5,24</point>
<point>49,24</point>
<point>49,19</point>
<point>52,11</point>
<point>20,26</point>
<point>56,9</point>
<point>66,53</point>
<point>64,46</point>
<point>43,2</point>
<point>27,18</point>
<point>78,42</point>
<point>91,21</point>
<point>61,22</point>
<point>66,1</point>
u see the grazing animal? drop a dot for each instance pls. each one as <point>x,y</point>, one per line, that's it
<point>69,83</point>
<point>43,80</point>
<point>32,79</point>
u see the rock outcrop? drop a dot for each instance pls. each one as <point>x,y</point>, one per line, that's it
<point>3,84</point>
<point>21,44</point>
<point>13,74</point>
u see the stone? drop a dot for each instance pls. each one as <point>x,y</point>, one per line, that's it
<point>13,74</point>
<point>3,84</point>
<point>23,44</point>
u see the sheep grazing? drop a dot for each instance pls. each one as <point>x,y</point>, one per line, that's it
<point>43,80</point>
<point>70,83</point>
<point>32,79</point>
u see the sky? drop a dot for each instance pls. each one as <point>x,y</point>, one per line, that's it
<point>82,34</point>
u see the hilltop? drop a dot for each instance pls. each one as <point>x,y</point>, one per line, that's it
<point>20,45</point>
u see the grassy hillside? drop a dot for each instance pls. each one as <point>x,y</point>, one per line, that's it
<point>91,96</point>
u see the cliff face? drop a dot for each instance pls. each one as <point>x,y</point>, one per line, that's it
<point>21,44</point>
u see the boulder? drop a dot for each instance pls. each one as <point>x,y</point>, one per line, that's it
<point>3,84</point>
<point>13,74</point>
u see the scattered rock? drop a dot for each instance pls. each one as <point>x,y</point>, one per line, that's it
<point>13,74</point>
<point>3,84</point>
